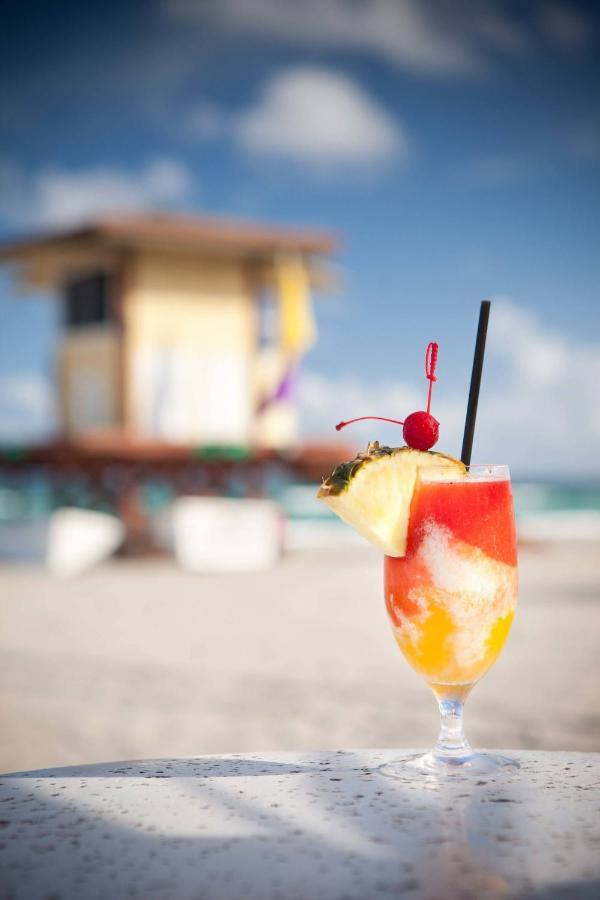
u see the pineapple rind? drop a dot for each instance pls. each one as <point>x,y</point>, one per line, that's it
<point>343,474</point>
<point>372,493</point>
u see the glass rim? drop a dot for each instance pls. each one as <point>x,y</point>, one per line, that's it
<point>493,471</point>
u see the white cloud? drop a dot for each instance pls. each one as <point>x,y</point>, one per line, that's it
<point>309,115</point>
<point>424,36</point>
<point>543,404</point>
<point>537,356</point>
<point>539,409</point>
<point>27,410</point>
<point>56,196</point>
<point>314,116</point>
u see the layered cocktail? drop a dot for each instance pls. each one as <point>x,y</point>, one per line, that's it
<point>447,532</point>
<point>451,598</point>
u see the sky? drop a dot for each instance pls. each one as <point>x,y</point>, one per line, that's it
<point>453,146</point>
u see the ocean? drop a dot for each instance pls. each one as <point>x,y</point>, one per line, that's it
<point>546,510</point>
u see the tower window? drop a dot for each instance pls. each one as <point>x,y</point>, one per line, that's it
<point>87,300</point>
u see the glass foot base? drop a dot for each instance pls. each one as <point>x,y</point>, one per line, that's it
<point>449,766</point>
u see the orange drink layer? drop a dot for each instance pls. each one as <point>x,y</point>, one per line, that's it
<point>451,599</point>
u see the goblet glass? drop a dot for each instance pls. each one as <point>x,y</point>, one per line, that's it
<point>451,599</point>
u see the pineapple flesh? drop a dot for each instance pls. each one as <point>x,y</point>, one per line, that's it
<point>373,492</point>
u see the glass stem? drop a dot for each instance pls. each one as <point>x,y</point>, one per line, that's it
<point>451,743</point>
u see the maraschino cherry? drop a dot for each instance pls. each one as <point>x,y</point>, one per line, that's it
<point>420,429</point>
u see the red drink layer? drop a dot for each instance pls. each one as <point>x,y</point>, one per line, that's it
<point>477,512</point>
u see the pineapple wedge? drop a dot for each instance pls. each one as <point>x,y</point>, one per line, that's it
<point>373,492</point>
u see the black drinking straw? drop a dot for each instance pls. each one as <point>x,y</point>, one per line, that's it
<point>467,447</point>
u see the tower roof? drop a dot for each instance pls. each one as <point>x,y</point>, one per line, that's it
<point>179,232</point>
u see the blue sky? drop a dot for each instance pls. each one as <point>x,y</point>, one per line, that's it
<point>454,146</point>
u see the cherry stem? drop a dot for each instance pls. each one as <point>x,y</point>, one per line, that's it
<point>341,425</point>
<point>429,397</point>
<point>431,355</point>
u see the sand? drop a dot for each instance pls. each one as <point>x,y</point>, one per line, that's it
<point>138,659</point>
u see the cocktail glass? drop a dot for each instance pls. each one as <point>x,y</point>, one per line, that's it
<point>451,599</point>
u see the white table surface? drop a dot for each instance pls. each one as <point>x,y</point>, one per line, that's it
<point>315,825</point>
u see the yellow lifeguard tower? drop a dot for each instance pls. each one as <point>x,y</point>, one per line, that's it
<point>177,330</point>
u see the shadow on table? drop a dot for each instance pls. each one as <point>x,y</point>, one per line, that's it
<point>232,766</point>
<point>338,829</point>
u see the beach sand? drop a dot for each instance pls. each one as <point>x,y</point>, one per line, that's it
<point>138,659</point>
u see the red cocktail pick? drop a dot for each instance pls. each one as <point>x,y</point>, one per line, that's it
<point>420,429</point>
